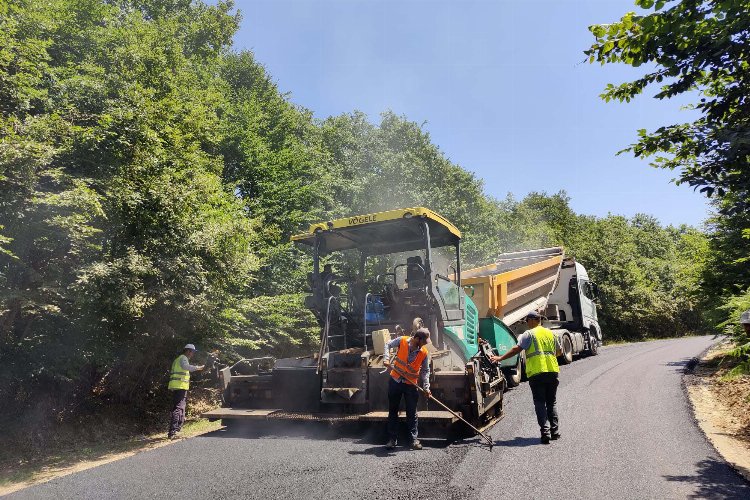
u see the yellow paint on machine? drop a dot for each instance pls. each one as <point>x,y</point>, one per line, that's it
<point>358,220</point>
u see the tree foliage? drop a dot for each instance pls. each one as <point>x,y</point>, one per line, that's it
<point>699,48</point>
<point>121,239</point>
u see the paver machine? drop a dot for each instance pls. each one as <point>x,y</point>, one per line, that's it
<point>400,265</point>
<point>373,275</point>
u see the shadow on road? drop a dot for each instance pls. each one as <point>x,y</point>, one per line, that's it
<point>378,451</point>
<point>715,479</point>
<point>382,451</point>
<point>299,430</point>
<point>685,365</point>
<point>373,434</point>
<point>368,434</point>
<point>518,442</point>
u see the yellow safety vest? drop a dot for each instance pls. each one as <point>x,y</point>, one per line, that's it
<point>178,378</point>
<point>541,356</point>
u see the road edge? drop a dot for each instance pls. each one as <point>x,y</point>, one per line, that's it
<point>725,446</point>
<point>153,442</point>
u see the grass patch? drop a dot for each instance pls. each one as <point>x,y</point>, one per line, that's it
<point>650,339</point>
<point>739,359</point>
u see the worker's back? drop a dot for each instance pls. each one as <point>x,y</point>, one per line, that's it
<point>541,356</point>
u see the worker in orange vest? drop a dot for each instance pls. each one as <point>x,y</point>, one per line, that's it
<point>411,366</point>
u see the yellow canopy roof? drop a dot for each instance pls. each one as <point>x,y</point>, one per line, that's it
<point>382,232</point>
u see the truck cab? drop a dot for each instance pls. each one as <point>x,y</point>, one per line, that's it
<point>571,311</point>
<point>573,302</point>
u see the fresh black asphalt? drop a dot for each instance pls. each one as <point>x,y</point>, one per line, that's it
<point>628,432</point>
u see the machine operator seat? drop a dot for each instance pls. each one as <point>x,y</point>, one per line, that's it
<point>415,273</point>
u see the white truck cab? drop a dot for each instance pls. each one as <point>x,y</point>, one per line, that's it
<point>571,310</point>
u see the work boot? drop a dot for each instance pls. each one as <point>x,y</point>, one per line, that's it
<point>416,445</point>
<point>545,439</point>
<point>556,436</point>
<point>391,445</point>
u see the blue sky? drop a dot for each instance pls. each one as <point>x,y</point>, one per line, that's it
<point>500,85</point>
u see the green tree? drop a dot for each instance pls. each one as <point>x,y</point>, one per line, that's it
<point>699,48</point>
<point>122,241</point>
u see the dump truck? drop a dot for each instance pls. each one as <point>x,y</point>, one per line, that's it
<point>373,276</point>
<point>541,280</point>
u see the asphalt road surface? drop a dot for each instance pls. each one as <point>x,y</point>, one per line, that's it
<point>628,432</point>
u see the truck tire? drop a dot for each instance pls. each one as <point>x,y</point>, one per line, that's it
<point>593,349</point>
<point>567,350</point>
<point>514,379</point>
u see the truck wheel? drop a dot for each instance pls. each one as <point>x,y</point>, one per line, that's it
<point>514,379</point>
<point>593,345</point>
<point>567,351</point>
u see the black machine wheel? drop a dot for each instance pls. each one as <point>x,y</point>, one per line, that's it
<point>567,350</point>
<point>514,379</point>
<point>593,349</point>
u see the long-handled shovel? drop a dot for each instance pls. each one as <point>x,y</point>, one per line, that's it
<point>489,440</point>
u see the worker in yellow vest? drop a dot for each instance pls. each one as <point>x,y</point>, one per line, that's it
<point>410,367</point>
<point>179,383</point>
<point>542,348</point>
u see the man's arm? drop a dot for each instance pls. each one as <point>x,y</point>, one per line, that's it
<point>513,351</point>
<point>524,342</point>
<point>185,365</point>
<point>558,347</point>
<point>424,375</point>
<point>387,351</point>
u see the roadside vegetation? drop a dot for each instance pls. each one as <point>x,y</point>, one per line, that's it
<point>699,49</point>
<point>720,396</point>
<point>151,176</point>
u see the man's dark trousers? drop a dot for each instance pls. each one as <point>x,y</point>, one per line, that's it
<point>411,396</point>
<point>544,392</point>
<point>179,403</point>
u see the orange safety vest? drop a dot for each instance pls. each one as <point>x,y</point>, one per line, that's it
<point>410,371</point>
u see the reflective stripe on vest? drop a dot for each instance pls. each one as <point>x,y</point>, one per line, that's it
<point>541,356</point>
<point>411,370</point>
<point>178,378</point>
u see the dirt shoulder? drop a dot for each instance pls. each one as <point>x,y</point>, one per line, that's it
<point>721,406</point>
<point>26,472</point>
<point>88,445</point>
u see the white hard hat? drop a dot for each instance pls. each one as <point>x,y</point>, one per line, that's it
<point>190,346</point>
<point>745,317</point>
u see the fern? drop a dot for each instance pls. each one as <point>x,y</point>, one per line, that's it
<point>743,367</point>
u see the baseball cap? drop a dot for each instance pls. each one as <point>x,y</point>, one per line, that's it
<point>533,315</point>
<point>190,346</point>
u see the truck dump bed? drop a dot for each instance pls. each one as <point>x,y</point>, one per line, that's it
<point>516,283</point>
